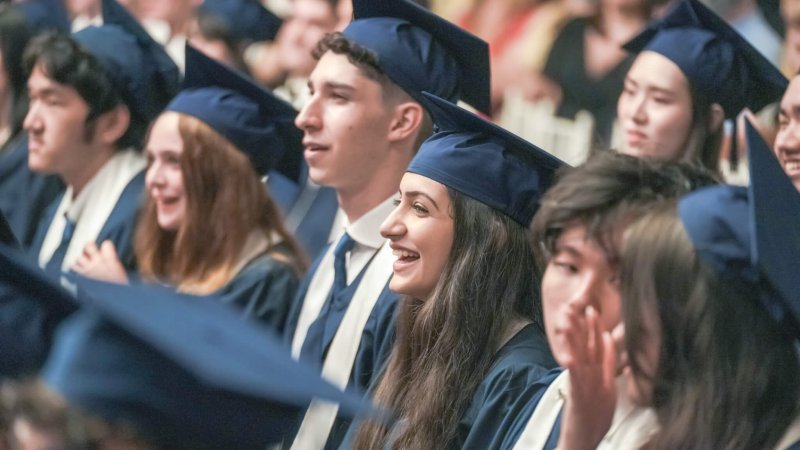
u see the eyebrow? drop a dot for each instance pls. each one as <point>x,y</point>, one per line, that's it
<point>567,247</point>
<point>421,194</point>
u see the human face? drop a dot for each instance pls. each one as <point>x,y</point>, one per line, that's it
<point>421,233</point>
<point>310,21</point>
<point>346,124</point>
<point>56,126</point>
<point>164,178</point>
<point>655,109</point>
<point>578,275</point>
<point>790,13</point>
<point>787,141</point>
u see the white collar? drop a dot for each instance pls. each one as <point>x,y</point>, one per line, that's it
<point>366,230</point>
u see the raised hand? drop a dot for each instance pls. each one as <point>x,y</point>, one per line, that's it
<point>101,263</point>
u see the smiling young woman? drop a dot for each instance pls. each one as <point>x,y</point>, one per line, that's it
<point>469,327</point>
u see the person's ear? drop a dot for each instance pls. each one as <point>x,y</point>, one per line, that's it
<point>406,121</point>
<point>112,125</point>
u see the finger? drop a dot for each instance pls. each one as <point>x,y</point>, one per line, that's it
<point>90,249</point>
<point>108,250</point>
<point>594,348</point>
<point>609,360</point>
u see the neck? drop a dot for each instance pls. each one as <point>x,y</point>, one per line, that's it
<point>384,182</point>
<point>616,22</point>
<point>358,202</point>
<point>79,176</point>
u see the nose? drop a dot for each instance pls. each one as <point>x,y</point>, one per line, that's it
<point>787,139</point>
<point>632,106</point>
<point>393,227</point>
<point>308,117</point>
<point>585,293</point>
<point>32,121</point>
<point>154,176</point>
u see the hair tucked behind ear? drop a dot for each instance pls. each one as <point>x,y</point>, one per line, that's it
<point>727,375</point>
<point>445,345</point>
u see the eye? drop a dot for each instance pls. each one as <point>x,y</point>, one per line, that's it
<point>396,202</point>
<point>419,208</point>
<point>564,265</point>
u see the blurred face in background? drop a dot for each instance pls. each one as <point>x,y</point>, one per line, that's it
<point>310,21</point>
<point>655,109</point>
<point>790,13</point>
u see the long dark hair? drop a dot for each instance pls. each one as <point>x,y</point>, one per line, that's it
<point>226,202</point>
<point>704,146</point>
<point>727,375</point>
<point>445,345</point>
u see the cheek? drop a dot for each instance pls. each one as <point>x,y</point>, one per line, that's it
<point>610,312</point>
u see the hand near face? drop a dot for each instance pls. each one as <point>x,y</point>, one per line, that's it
<point>101,263</point>
<point>592,392</point>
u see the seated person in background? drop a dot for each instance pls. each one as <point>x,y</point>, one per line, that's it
<point>580,226</point>
<point>692,71</point>
<point>24,195</point>
<point>588,65</point>
<point>93,96</point>
<point>712,316</point>
<point>208,225</point>
<point>787,141</point>
<point>224,29</point>
<point>470,323</point>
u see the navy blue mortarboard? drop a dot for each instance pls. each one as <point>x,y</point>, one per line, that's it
<point>46,15</point>
<point>132,60</point>
<point>421,51</point>
<point>720,64</point>
<point>751,233</point>
<point>185,371</point>
<point>484,161</point>
<point>251,118</point>
<point>243,20</point>
<point>31,307</point>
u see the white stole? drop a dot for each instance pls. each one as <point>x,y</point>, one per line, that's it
<point>338,365</point>
<point>630,428</point>
<point>106,188</point>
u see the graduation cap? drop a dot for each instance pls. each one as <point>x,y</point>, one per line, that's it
<point>719,63</point>
<point>31,307</point>
<point>46,15</point>
<point>421,51</point>
<point>752,233</point>
<point>251,118</point>
<point>132,60</point>
<point>243,20</point>
<point>185,370</point>
<point>484,161</point>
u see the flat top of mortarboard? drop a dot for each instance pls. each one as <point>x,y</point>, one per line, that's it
<point>46,15</point>
<point>211,340</point>
<point>751,232</point>
<point>735,75</point>
<point>484,161</point>
<point>132,58</point>
<point>410,59</point>
<point>257,122</point>
<point>245,20</point>
<point>31,307</point>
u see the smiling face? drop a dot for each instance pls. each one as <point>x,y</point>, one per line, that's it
<point>577,275</point>
<point>345,123</point>
<point>421,233</point>
<point>655,109</point>
<point>787,141</point>
<point>164,178</point>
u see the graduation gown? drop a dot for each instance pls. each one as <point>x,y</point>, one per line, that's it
<point>374,347</point>
<point>309,210</point>
<point>524,359</point>
<point>263,290</point>
<point>24,195</point>
<point>118,228</point>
